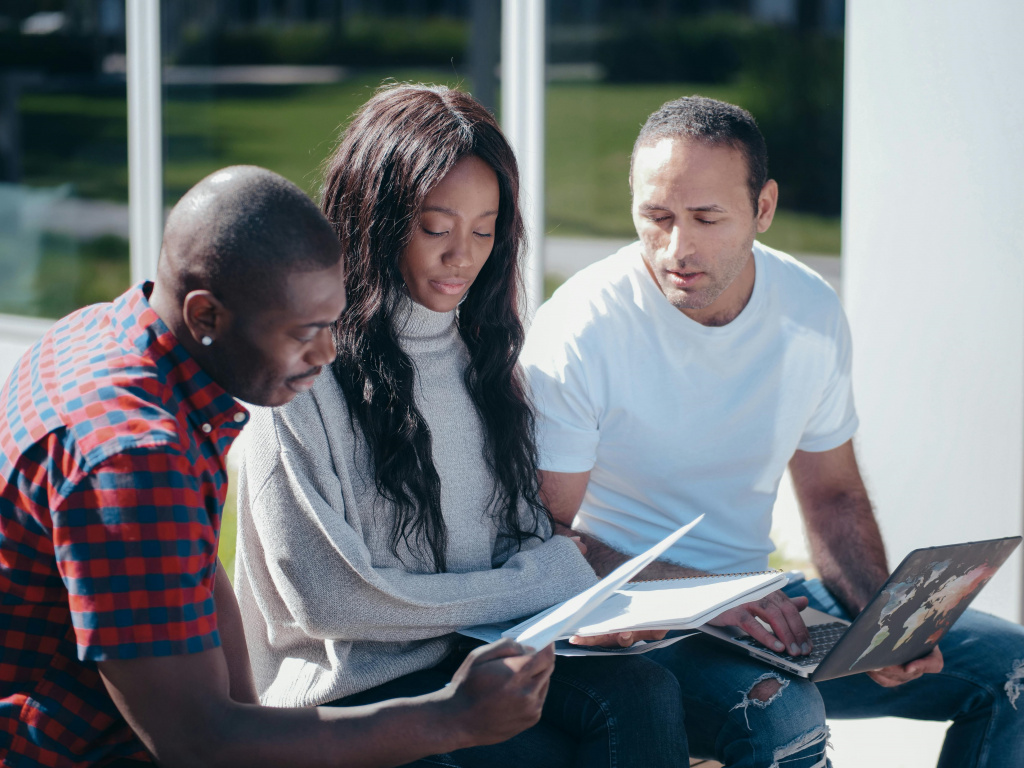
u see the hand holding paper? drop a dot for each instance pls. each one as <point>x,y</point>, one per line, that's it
<point>551,625</point>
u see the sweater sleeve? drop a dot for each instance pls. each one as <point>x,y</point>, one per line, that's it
<point>324,573</point>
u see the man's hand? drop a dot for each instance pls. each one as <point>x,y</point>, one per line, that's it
<point>564,530</point>
<point>619,639</point>
<point>890,677</point>
<point>781,613</point>
<point>499,692</point>
<point>180,708</point>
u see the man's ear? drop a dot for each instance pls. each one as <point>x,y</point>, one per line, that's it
<point>205,316</point>
<point>766,203</point>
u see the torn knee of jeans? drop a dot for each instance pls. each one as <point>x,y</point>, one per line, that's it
<point>810,746</point>
<point>766,689</point>
<point>1015,682</point>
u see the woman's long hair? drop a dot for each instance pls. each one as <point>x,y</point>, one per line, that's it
<point>400,145</point>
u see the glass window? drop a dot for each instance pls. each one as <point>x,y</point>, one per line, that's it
<point>272,83</point>
<point>63,156</point>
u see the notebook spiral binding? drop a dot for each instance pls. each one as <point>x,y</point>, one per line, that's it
<point>709,576</point>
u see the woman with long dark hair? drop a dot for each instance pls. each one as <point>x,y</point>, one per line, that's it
<point>397,501</point>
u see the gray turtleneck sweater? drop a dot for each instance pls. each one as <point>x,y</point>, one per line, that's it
<point>328,609</point>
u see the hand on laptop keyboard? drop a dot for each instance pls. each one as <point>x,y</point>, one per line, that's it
<point>774,621</point>
<point>824,636</point>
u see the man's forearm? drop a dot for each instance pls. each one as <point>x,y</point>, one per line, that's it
<point>232,638</point>
<point>848,551</point>
<point>389,733</point>
<point>846,545</point>
<point>605,559</point>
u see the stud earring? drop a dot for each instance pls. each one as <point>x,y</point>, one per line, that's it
<point>207,341</point>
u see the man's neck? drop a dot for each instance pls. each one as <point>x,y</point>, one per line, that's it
<point>732,301</point>
<point>162,303</point>
<point>168,309</point>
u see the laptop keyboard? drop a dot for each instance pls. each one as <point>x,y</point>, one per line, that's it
<point>823,636</point>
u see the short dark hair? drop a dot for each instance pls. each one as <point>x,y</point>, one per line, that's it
<point>240,230</point>
<point>713,123</point>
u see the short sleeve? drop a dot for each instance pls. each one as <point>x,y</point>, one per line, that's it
<point>568,422</point>
<point>834,421</point>
<point>136,545</point>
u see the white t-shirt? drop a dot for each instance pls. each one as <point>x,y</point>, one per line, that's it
<point>673,418</point>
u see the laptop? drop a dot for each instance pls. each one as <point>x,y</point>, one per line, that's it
<point>915,607</point>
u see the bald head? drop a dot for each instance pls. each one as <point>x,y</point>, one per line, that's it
<point>251,283</point>
<point>239,233</point>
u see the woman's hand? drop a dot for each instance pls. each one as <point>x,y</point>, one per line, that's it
<point>619,639</point>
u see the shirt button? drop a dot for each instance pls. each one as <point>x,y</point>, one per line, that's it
<point>239,417</point>
<point>207,428</point>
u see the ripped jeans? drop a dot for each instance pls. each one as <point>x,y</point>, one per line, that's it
<point>782,725</point>
<point>743,714</point>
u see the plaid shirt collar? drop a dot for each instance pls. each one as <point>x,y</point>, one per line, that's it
<point>209,407</point>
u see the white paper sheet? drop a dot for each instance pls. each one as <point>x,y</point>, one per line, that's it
<point>551,625</point>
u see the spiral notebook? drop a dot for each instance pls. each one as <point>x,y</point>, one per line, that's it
<point>612,605</point>
<point>683,603</point>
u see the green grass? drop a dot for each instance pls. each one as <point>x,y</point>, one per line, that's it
<point>292,129</point>
<point>79,137</point>
<point>590,133</point>
<point>289,129</point>
<point>796,232</point>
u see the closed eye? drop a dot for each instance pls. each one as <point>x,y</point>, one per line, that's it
<point>483,234</point>
<point>314,331</point>
<point>435,234</point>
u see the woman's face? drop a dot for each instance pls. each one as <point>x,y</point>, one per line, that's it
<point>453,236</point>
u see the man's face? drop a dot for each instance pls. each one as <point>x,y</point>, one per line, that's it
<point>693,213</point>
<point>276,352</point>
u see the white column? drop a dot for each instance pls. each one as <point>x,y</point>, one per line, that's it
<point>933,270</point>
<point>522,117</point>
<point>145,137</point>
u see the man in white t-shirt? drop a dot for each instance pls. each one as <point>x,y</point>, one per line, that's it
<point>681,376</point>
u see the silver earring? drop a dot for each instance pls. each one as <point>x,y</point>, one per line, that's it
<point>207,341</point>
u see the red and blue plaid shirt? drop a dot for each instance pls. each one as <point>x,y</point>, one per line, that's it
<point>112,481</point>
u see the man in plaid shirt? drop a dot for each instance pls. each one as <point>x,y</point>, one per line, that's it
<point>120,638</point>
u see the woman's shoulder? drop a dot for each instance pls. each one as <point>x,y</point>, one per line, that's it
<point>309,414</point>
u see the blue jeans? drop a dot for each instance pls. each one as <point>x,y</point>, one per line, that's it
<point>977,689</point>
<point>621,712</point>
